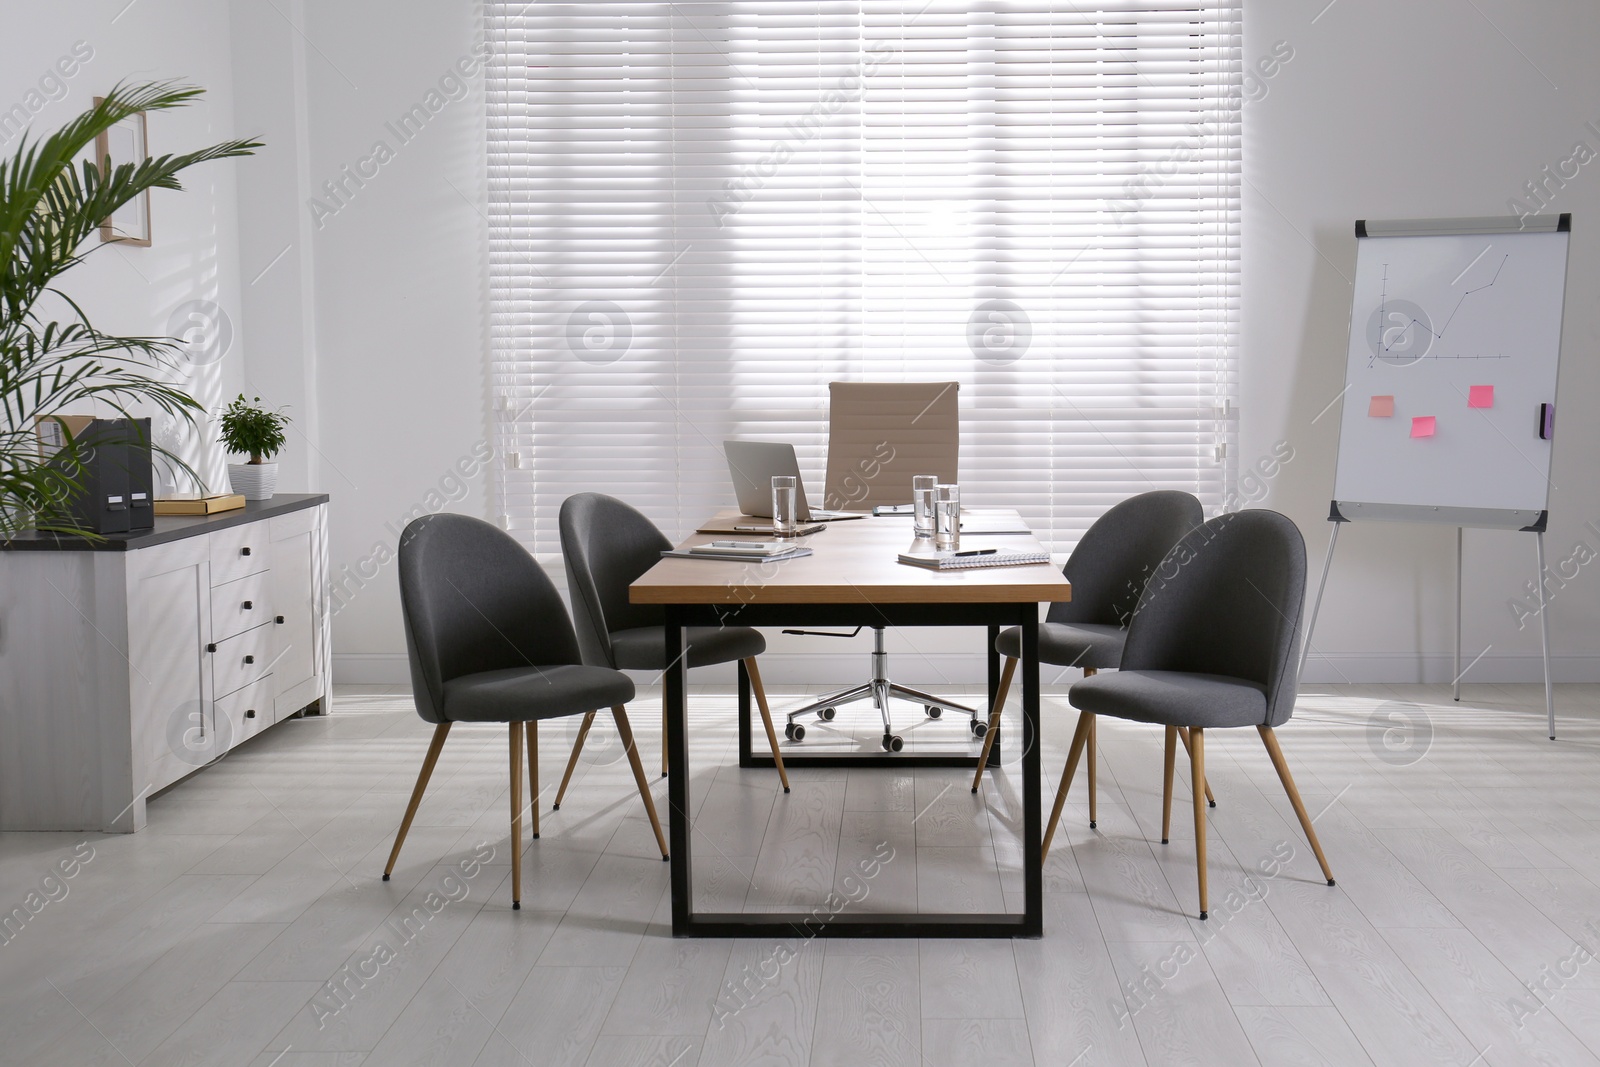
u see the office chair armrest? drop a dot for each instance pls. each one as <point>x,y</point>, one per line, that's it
<point>823,633</point>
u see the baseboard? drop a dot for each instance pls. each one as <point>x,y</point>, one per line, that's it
<point>823,670</point>
<point>1435,669</point>
<point>787,669</point>
<point>371,668</point>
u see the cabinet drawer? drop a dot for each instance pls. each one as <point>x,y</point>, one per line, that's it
<point>238,551</point>
<point>241,605</point>
<point>240,660</point>
<point>245,712</point>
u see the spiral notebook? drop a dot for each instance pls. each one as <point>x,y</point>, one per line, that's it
<point>954,561</point>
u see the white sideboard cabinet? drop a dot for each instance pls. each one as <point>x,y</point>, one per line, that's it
<point>131,662</point>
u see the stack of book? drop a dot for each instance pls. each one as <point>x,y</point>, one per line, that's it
<point>746,551</point>
<point>198,503</point>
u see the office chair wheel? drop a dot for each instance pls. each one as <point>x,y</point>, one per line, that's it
<point>978,728</point>
<point>933,712</point>
<point>893,742</point>
<point>826,714</point>
<point>794,731</point>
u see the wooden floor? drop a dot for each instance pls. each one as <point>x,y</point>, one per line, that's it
<point>248,924</point>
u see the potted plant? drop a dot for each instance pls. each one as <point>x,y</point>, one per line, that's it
<point>253,431</point>
<point>52,359</point>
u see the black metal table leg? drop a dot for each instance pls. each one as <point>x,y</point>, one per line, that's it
<point>675,679</point>
<point>1032,817</point>
<point>744,716</point>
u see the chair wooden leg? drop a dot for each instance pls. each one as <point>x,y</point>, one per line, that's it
<point>994,720</point>
<point>1080,737</point>
<point>663,727</point>
<point>766,720</point>
<point>440,732</point>
<point>1197,771</point>
<point>572,760</point>
<point>1170,755</point>
<point>1089,751</point>
<point>1270,739</point>
<point>516,816</point>
<point>533,773</point>
<point>626,733</point>
<point>1183,732</point>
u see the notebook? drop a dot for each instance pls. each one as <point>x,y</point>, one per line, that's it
<point>954,561</point>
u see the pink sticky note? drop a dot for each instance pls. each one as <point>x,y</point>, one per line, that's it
<point>1480,396</point>
<point>1381,407</point>
<point>1422,426</point>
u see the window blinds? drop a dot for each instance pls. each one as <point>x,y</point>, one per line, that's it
<point>702,213</point>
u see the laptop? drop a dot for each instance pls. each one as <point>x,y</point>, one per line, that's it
<point>753,465</point>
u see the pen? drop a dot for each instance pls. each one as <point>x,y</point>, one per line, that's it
<point>976,552</point>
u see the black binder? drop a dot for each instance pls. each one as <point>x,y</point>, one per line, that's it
<point>116,477</point>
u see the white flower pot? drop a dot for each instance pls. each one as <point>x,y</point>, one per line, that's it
<point>253,481</point>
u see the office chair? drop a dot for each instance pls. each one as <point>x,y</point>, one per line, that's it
<point>490,641</point>
<point>1108,570</point>
<point>607,545</point>
<point>881,434</point>
<point>1211,645</point>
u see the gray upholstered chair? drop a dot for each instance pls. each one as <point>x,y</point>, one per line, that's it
<point>1210,646</point>
<point>490,641</point>
<point>607,545</point>
<point>1108,570</point>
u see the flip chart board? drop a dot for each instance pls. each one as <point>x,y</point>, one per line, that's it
<point>1450,380</point>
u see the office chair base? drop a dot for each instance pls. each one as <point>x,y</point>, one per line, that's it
<point>826,708</point>
<point>881,690</point>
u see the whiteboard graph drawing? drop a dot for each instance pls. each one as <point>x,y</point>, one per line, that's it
<point>1400,332</point>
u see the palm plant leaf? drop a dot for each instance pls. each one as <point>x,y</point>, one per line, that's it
<point>52,200</point>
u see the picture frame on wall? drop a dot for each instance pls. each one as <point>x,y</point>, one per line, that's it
<point>126,142</point>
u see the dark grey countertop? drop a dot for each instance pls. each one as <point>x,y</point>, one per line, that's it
<point>167,528</point>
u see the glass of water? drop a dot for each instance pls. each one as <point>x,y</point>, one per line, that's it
<point>946,517</point>
<point>785,505</point>
<point>922,503</point>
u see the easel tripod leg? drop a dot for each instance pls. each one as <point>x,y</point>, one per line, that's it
<point>1544,640</point>
<point>1457,683</point>
<point>1316,606</point>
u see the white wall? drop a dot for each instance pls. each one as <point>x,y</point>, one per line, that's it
<point>195,254</point>
<point>371,325</point>
<point>1385,110</point>
<point>399,294</point>
<point>1415,110</point>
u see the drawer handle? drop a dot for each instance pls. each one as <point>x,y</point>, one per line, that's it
<point>280,620</point>
<point>249,659</point>
<point>211,648</point>
<point>249,605</point>
<point>250,714</point>
<point>244,552</point>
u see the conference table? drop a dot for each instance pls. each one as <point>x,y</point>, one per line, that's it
<point>852,578</point>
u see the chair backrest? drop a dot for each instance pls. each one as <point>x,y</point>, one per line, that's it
<point>1118,554</point>
<point>474,600</point>
<point>607,544</point>
<point>880,434</point>
<point>1227,600</point>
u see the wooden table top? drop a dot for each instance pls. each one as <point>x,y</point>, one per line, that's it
<point>853,562</point>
